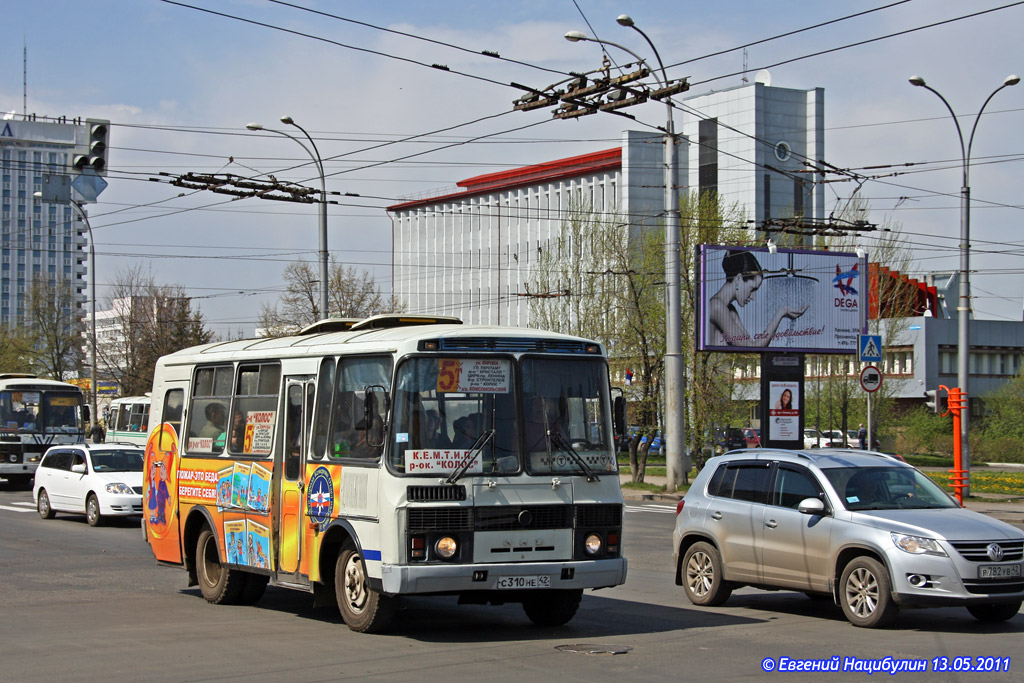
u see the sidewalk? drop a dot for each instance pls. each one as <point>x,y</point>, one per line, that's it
<point>992,504</point>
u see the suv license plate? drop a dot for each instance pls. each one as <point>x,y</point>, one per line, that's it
<point>998,571</point>
<point>542,581</point>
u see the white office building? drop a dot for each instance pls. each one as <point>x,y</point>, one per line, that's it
<point>470,252</point>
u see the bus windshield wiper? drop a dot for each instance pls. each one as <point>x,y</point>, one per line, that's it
<point>470,458</point>
<point>564,445</point>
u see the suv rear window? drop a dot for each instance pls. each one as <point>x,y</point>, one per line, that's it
<point>742,481</point>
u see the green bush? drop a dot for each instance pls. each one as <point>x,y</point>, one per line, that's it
<point>925,432</point>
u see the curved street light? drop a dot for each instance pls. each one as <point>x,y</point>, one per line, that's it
<point>964,304</point>
<point>314,154</point>
<point>675,377</point>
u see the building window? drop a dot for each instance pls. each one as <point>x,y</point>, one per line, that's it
<point>707,156</point>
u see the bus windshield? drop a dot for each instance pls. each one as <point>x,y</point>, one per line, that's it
<point>455,412</point>
<point>444,406</point>
<point>41,411</point>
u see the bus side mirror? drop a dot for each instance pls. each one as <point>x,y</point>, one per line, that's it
<point>85,414</point>
<point>373,416</point>
<point>619,414</point>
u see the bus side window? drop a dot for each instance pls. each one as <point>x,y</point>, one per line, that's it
<point>322,410</point>
<point>174,399</point>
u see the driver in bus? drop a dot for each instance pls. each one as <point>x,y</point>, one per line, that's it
<point>542,418</point>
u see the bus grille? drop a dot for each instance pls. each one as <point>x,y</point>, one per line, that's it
<point>433,494</point>
<point>598,515</point>
<point>513,517</point>
<point>440,519</point>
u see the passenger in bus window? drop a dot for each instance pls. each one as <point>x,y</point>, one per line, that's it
<point>237,432</point>
<point>467,429</point>
<point>215,415</point>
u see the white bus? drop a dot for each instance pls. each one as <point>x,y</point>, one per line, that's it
<point>128,420</point>
<point>395,456</point>
<point>34,415</point>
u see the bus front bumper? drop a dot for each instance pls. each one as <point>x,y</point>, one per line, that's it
<point>456,578</point>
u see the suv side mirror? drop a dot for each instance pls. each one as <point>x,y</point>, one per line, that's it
<point>811,506</point>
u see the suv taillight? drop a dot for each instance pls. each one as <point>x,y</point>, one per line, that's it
<point>679,506</point>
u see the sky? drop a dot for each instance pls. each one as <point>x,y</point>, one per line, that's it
<point>180,81</point>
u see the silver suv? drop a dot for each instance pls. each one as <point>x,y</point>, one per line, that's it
<point>872,533</point>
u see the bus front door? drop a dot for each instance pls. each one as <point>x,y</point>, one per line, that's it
<point>298,410</point>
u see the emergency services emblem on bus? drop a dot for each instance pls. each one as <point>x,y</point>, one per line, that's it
<point>320,497</point>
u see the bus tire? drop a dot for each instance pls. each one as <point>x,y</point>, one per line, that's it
<point>218,585</point>
<point>552,608</point>
<point>362,609</point>
<point>253,589</point>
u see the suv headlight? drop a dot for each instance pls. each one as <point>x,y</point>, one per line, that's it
<point>917,545</point>
<point>120,489</point>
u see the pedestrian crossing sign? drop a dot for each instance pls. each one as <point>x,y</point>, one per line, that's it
<point>870,348</point>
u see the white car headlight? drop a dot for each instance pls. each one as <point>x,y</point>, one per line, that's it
<point>917,545</point>
<point>120,489</point>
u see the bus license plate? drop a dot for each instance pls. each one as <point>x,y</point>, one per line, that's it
<point>998,571</point>
<point>513,582</point>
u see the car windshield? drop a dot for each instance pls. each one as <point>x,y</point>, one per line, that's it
<point>117,461</point>
<point>886,488</point>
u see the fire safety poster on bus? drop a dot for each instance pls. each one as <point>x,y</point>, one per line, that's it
<point>784,412</point>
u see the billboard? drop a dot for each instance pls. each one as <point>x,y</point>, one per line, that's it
<point>794,300</point>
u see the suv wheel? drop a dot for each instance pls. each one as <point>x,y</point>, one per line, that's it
<point>702,575</point>
<point>866,594</point>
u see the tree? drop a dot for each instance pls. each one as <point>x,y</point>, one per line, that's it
<point>54,329</point>
<point>148,320</point>
<point>1001,436</point>
<point>14,350</point>
<point>353,294</point>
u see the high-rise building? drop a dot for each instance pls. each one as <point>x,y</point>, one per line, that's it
<point>41,239</point>
<point>471,252</point>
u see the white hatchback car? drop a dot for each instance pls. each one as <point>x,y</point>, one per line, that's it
<point>97,480</point>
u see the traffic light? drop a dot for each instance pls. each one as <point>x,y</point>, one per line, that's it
<point>931,400</point>
<point>94,154</point>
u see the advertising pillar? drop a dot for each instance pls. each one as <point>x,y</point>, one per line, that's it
<point>782,400</point>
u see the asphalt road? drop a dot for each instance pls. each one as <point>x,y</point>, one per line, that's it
<point>89,604</point>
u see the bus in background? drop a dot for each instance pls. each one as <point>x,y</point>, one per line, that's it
<point>400,455</point>
<point>128,420</point>
<point>34,415</point>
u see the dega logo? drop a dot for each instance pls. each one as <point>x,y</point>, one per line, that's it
<point>843,281</point>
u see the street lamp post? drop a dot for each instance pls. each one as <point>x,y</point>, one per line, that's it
<point>92,300</point>
<point>314,154</point>
<point>964,304</point>
<point>675,439</point>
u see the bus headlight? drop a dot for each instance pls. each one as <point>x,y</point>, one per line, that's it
<point>593,544</point>
<point>446,547</point>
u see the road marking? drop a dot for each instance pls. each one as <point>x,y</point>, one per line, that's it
<point>26,504</point>
<point>14,509</point>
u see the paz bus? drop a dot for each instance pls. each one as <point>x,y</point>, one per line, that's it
<point>364,461</point>
<point>34,415</point>
<point>128,420</point>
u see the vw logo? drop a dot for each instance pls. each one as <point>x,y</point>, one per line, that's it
<point>995,552</point>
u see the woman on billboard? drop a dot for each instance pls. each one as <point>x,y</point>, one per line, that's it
<point>743,277</point>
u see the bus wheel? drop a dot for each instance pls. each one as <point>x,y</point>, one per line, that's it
<point>363,610</point>
<point>255,587</point>
<point>552,608</point>
<point>219,585</point>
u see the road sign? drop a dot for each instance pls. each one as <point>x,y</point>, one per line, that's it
<point>871,379</point>
<point>870,348</point>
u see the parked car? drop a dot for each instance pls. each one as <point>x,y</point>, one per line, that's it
<point>836,437</point>
<point>95,480</point>
<point>870,532</point>
<point>752,437</point>
<point>815,439</point>
<point>731,438</point>
<point>852,440</point>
